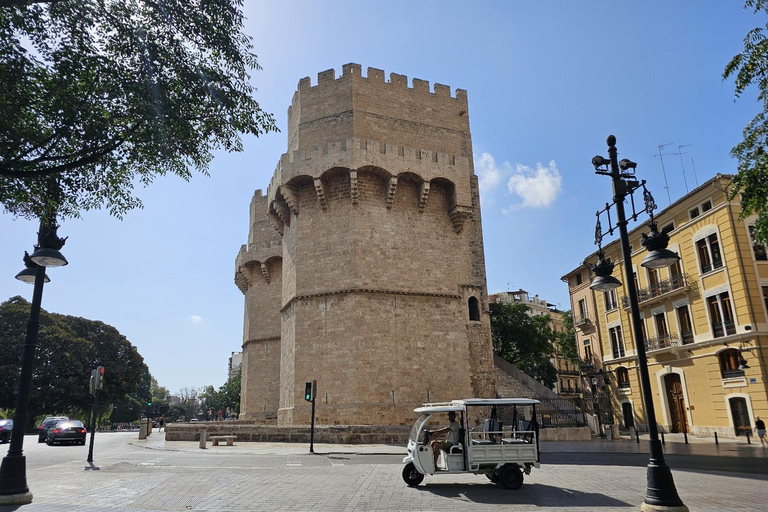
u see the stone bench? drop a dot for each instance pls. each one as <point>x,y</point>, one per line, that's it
<point>229,439</point>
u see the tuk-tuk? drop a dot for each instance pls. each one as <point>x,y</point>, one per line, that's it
<point>498,438</point>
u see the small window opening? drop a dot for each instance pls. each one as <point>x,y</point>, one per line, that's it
<point>474,309</point>
<point>694,213</point>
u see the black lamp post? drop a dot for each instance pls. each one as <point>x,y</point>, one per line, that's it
<point>13,470</point>
<point>661,493</point>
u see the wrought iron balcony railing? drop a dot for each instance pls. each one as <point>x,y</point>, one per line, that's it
<point>680,281</point>
<point>624,385</point>
<point>662,342</point>
<point>686,337</point>
<point>731,374</point>
<point>721,329</point>
<point>581,320</point>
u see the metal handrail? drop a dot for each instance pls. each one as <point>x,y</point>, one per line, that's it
<point>657,290</point>
<point>721,329</point>
<point>662,342</point>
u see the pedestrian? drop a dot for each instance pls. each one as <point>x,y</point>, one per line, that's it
<point>760,427</point>
<point>162,422</point>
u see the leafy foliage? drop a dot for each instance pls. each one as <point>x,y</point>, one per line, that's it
<point>227,396</point>
<point>106,94</point>
<point>68,348</point>
<point>523,340</point>
<point>750,67</point>
<point>566,340</point>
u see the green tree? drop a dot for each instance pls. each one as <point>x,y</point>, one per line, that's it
<point>750,67</point>
<point>566,340</point>
<point>106,95</point>
<point>523,340</point>
<point>68,349</point>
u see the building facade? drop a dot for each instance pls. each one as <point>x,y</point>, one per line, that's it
<point>364,268</point>
<point>704,321</point>
<point>235,362</point>
<point>568,382</point>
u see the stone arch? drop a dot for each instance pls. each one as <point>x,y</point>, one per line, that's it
<point>662,387</point>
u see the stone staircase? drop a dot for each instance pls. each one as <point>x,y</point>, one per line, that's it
<point>513,383</point>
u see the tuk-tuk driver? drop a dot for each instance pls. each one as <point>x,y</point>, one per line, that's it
<point>453,436</point>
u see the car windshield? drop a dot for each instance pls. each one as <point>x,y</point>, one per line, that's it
<point>8,423</point>
<point>69,424</point>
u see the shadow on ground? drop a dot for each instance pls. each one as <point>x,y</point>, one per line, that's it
<point>747,467</point>
<point>537,495</point>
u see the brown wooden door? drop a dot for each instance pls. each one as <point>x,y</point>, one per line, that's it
<point>676,401</point>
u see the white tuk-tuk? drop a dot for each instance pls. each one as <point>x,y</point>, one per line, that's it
<point>498,437</point>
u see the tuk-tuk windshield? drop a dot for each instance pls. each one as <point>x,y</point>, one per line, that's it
<point>418,423</point>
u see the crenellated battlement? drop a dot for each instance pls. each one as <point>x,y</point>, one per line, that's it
<point>376,76</point>
<point>407,113</point>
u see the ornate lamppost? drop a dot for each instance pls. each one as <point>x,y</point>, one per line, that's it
<point>13,470</point>
<point>661,494</point>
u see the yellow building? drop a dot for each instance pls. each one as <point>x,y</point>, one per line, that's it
<point>704,320</point>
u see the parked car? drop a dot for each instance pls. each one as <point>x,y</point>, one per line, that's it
<point>70,431</point>
<point>48,423</point>
<point>6,427</point>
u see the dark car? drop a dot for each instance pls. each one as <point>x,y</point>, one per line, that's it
<point>48,423</point>
<point>6,427</point>
<point>70,431</point>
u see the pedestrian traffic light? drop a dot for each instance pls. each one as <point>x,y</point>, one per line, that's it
<point>92,382</point>
<point>308,391</point>
<point>149,404</point>
<point>100,375</point>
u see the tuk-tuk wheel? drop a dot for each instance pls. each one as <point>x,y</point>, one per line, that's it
<point>411,475</point>
<point>493,476</point>
<point>511,477</point>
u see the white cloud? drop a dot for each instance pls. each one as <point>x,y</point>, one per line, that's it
<point>488,173</point>
<point>195,319</point>
<point>538,188</point>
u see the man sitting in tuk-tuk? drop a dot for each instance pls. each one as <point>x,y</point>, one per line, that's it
<point>453,436</point>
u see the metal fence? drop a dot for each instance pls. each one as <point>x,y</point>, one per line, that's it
<point>559,412</point>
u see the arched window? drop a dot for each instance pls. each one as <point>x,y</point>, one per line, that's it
<point>729,363</point>
<point>622,377</point>
<point>474,309</point>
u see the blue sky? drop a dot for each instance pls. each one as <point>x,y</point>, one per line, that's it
<point>547,83</point>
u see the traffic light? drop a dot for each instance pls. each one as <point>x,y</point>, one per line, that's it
<point>308,391</point>
<point>149,404</point>
<point>100,376</point>
<point>92,382</point>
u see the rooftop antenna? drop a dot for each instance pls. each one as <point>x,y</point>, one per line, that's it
<point>694,172</point>
<point>681,153</point>
<point>663,170</point>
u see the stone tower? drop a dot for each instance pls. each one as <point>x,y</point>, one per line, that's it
<point>364,267</point>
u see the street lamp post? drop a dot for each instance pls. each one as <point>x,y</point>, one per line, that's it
<point>13,470</point>
<point>661,493</point>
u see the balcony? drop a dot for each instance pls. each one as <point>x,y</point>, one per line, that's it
<point>732,374</point>
<point>721,329</point>
<point>663,342</point>
<point>568,371</point>
<point>671,286</point>
<point>624,385</point>
<point>581,321</point>
<point>686,337</point>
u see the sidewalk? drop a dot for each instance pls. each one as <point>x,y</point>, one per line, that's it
<point>675,444</point>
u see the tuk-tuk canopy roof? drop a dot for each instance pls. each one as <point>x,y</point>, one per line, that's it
<point>460,405</point>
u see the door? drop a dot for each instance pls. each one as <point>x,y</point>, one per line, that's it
<point>740,415</point>
<point>676,401</point>
<point>629,418</point>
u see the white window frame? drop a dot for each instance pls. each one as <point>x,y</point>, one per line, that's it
<point>620,348</point>
<point>704,234</point>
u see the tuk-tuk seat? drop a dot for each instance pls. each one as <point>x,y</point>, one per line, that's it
<point>513,440</point>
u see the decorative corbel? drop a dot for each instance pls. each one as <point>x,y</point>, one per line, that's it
<point>321,193</point>
<point>391,191</point>
<point>291,196</point>
<point>423,196</point>
<point>353,185</point>
<point>459,215</point>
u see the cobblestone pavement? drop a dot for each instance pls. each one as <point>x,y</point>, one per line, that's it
<point>152,475</point>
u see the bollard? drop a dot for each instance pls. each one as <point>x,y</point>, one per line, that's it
<point>663,441</point>
<point>203,438</point>
<point>716,441</point>
<point>748,440</point>
<point>637,436</point>
<point>685,435</point>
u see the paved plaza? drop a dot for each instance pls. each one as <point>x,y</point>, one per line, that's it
<point>151,475</point>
